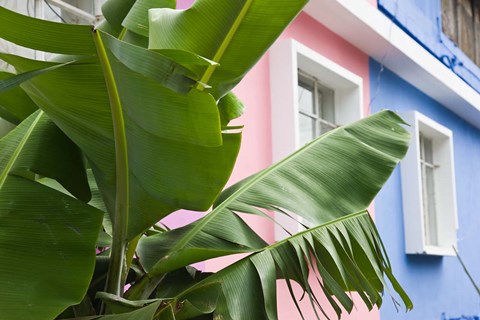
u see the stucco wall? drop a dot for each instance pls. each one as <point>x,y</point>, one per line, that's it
<point>436,284</point>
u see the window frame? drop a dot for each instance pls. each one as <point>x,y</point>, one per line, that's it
<point>444,188</point>
<point>286,57</point>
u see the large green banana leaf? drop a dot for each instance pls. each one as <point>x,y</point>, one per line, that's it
<point>335,175</point>
<point>235,34</point>
<point>344,254</point>
<point>162,127</point>
<point>150,131</point>
<point>47,239</point>
<point>45,35</point>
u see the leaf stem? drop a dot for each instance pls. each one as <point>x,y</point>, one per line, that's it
<point>117,263</point>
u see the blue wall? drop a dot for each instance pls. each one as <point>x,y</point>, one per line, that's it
<point>422,20</point>
<point>436,284</point>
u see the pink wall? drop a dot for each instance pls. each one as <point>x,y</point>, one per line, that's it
<point>256,150</point>
<point>183,4</point>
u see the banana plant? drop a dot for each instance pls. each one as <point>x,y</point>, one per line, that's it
<point>128,123</point>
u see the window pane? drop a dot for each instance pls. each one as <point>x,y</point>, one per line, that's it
<point>316,105</point>
<point>428,150</point>
<point>326,103</point>
<point>307,129</point>
<point>428,192</point>
<point>305,97</point>
<point>325,127</point>
<point>430,215</point>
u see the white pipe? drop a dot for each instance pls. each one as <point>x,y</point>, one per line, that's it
<point>98,9</point>
<point>74,10</point>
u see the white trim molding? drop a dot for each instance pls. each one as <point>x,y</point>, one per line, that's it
<point>373,33</point>
<point>286,58</point>
<point>445,221</point>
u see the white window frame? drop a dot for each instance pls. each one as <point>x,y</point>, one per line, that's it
<point>286,58</point>
<point>444,188</point>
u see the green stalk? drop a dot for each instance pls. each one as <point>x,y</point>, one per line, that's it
<point>130,253</point>
<point>117,265</point>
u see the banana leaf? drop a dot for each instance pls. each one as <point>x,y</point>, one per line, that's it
<point>162,127</point>
<point>333,176</point>
<point>344,254</point>
<point>150,132</point>
<point>15,105</point>
<point>234,34</point>
<point>55,231</point>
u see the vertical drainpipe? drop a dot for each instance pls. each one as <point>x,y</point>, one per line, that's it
<point>98,10</point>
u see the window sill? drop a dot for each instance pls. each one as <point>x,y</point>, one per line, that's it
<point>436,251</point>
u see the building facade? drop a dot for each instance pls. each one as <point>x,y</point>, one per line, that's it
<point>428,206</point>
<point>314,78</point>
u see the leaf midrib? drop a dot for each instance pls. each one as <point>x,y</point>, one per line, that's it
<point>352,216</point>
<point>18,150</point>
<point>225,43</point>
<point>218,210</point>
<point>259,176</point>
<point>122,192</point>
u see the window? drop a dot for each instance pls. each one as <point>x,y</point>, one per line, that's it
<point>310,95</point>
<point>428,188</point>
<point>461,23</point>
<point>427,168</point>
<point>316,107</point>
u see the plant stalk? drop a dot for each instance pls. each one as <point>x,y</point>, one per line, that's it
<point>117,265</point>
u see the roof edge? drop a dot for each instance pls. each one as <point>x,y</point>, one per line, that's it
<point>376,35</point>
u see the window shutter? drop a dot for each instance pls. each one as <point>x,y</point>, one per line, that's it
<point>461,23</point>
